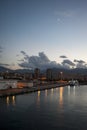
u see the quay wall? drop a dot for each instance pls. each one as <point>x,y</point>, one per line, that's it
<point>17,91</point>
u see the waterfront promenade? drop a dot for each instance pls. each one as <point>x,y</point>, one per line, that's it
<point>17,91</point>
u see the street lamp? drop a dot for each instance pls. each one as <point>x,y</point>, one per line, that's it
<point>61,73</point>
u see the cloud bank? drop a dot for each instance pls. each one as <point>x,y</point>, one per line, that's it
<point>80,64</point>
<point>43,62</point>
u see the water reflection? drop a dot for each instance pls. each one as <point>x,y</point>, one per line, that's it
<point>56,89</point>
<point>45,97</point>
<point>71,90</point>
<point>46,93</point>
<point>74,90</point>
<point>61,96</point>
<point>68,90</point>
<point>38,98</point>
<point>11,100</point>
<point>7,100</point>
<point>39,94</point>
<point>51,92</point>
<point>60,113</point>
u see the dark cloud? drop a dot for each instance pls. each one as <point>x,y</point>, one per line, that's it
<point>63,56</point>
<point>24,53</point>
<point>4,65</point>
<point>40,61</point>
<point>80,64</point>
<point>79,61</point>
<point>68,62</point>
<point>44,57</point>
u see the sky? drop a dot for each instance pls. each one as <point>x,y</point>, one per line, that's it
<point>43,33</point>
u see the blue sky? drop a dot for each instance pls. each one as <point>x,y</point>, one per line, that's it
<point>54,27</point>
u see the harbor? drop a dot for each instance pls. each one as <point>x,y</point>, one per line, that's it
<point>17,91</point>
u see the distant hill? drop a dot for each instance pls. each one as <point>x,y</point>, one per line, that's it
<point>80,71</point>
<point>4,69</point>
<point>67,71</point>
<point>23,71</point>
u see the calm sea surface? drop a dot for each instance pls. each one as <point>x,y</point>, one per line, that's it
<point>63,108</point>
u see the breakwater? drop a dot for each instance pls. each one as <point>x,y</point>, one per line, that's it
<point>17,91</point>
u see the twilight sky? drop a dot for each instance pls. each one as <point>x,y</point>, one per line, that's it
<point>38,33</point>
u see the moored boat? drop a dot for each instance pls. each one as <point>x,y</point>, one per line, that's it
<point>73,83</point>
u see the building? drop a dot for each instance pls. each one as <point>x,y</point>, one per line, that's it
<point>49,74</point>
<point>36,73</point>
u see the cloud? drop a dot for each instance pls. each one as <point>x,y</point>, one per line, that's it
<point>21,60</point>
<point>68,62</point>
<point>80,63</point>
<point>25,55</point>
<point>41,61</point>
<point>4,65</point>
<point>63,56</point>
<point>43,57</point>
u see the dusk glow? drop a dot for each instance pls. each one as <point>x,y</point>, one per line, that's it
<point>56,28</point>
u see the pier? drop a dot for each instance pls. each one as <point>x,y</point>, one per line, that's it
<point>17,91</point>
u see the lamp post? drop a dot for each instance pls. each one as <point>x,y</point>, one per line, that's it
<point>61,73</point>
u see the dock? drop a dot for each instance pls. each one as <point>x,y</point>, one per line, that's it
<point>18,91</point>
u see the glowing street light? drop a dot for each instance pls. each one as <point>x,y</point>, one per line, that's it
<point>61,73</point>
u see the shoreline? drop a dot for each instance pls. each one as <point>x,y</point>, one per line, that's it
<point>20,91</point>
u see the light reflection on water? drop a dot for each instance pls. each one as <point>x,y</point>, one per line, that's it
<point>61,96</point>
<point>11,100</point>
<point>38,98</point>
<point>63,108</point>
<point>51,94</point>
<point>45,93</point>
<point>71,90</point>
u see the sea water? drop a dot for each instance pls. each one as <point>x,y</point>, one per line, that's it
<point>63,108</point>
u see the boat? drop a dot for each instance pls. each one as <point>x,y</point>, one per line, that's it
<point>73,83</point>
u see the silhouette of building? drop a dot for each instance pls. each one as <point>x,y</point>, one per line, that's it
<point>36,73</point>
<point>49,74</point>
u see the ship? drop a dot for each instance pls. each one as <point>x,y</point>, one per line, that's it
<point>73,83</point>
